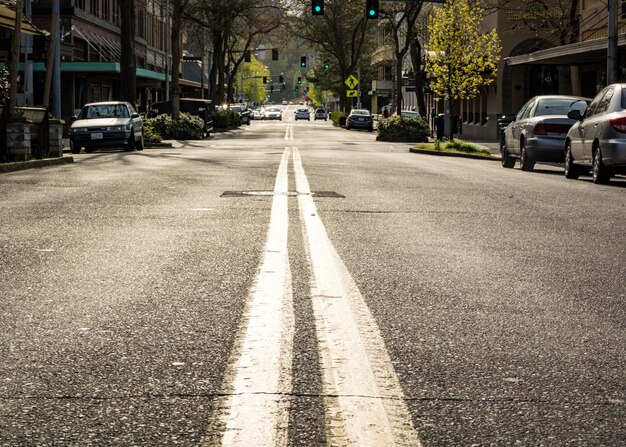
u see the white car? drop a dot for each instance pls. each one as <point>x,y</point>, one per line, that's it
<point>273,113</point>
<point>320,114</point>
<point>303,113</point>
<point>105,125</point>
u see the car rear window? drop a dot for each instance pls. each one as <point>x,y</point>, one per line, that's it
<point>623,98</point>
<point>360,112</point>
<point>559,106</point>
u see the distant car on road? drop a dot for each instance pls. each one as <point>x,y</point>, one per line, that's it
<point>109,124</point>
<point>285,103</point>
<point>320,114</point>
<point>597,140</point>
<point>273,113</point>
<point>360,119</point>
<point>257,115</point>
<point>302,113</point>
<point>539,129</point>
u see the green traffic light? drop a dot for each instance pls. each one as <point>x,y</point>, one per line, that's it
<point>318,8</point>
<point>372,12</point>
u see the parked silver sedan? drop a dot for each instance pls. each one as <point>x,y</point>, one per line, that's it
<point>598,139</point>
<point>539,129</point>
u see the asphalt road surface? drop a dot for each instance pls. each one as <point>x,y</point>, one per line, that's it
<point>290,283</point>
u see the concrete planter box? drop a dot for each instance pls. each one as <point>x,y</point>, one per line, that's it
<point>56,138</point>
<point>18,140</point>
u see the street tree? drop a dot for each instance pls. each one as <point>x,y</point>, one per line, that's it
<point>461,57</point>
<point>340,34</point>
<point>248,31</point>
<point>402,19</point>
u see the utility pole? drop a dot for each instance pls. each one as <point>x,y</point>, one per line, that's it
<point>612,55</point>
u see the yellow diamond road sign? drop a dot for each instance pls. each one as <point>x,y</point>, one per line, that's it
<point>352,82</point>
<point>351,93</point>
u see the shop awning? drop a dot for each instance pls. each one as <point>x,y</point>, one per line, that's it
<point>580,53</point>
<point>7,19</point>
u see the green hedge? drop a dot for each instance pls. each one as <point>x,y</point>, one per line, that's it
<point>226,119</point>
<point>403,128</point>
<point>163,127</point>
<point>338,118</point>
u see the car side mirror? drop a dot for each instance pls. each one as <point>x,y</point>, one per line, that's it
<point>74,118</point>
<point>575,115</point>
<point>134,115</point>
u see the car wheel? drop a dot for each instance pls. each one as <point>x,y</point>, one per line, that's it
<point>507,160</point>
<point>140,144</point>
<point>74,149</point>
<point>571,171</point>
<point>526,163</point>
<point>130,144</point>
<point>599,172</point>
<point>89,150</point>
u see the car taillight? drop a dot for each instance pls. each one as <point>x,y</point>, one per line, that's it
<point>619,124</point>
<point>543,128</point>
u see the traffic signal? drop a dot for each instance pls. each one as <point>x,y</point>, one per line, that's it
<point>371,9</point>
<point>247,57</point>
<point>317,7</point>
<point>326,65</point>
<point>299,81</point>
<point>271,89</point>
<point>280,79</point>
<point>274,54</point>
<point>303,61</point>
<point>264,79</point>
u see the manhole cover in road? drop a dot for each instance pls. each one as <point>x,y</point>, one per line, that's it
<point>320,194</point>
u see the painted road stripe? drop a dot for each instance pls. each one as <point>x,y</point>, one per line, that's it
<point>364,402</point>
<point>255,411</point>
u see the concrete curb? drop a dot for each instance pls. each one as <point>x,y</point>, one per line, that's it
<point>21,165</point>
<point>454,154</point>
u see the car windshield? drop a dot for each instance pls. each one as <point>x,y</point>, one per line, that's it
<point>409,113</point>
<point>320,111</point>
<point>273,109</point>
<point>236,108</point>
<point>361,112</point>
<point>559,106</point>
<point>104,111</point>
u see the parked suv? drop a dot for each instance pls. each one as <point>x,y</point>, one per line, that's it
<point>109,124</point>
<point>196,107</point>
<point>320,114</point>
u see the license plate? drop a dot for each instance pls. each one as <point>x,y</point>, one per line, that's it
<point>96,136</point>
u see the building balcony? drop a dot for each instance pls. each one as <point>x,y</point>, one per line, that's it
<point>383,55</point>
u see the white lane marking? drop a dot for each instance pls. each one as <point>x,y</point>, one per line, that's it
<point>289,132</point>
<point>364,401</point>
<point>256,409</point>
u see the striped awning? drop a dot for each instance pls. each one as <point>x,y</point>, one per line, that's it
<point>7,19</point>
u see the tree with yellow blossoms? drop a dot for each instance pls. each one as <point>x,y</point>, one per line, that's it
<point>461,56</point>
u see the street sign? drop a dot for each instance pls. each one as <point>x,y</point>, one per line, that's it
<point>352,93</point>
<point>352,82</point>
